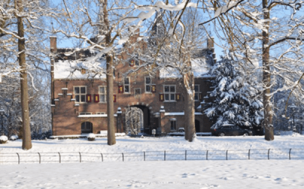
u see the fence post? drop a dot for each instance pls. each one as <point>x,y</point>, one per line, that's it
<point>144,156</point>
<point>226,154</point>
<point>185,154</point>
<point>79,157</point>
<point>249,154</point>
<point>123,159</point>
<point>290,154</point>
<point>18,158</point>
<point>268,153</point>
<point>207,155</point>
<point>39,158</point>
<point>59,157</point>
<point>165,155</point>
<point>101,157</point>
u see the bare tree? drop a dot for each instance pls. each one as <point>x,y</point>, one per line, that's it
<point>20,36</point>
<point>268,35</point>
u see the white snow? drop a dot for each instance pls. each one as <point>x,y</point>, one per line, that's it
<point>179,113</point>
<point>3,138</point>
<point>155,174</point>
<point>224,8</point>
<point>72,69</point>
<point>199,68</point>
<point>96,115</point>
<point>91,135</point>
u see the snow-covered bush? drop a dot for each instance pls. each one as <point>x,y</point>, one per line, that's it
<point>3,139</point>
<point>91,137</point>
<point>14,137</point>
<point>235,99</point>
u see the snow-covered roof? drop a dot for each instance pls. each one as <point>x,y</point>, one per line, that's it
<point>72,69</point>
<point>199,68</point>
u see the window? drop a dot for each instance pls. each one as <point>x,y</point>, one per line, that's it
<point>100,113</point>
<point>86,127</point>
<point>80,94</point>
<point>173,125</point>
<point>197,92</point>
<point>136,61</point>
<point>148,83</point>
<point>137,91</point>
<point>102,94</point>
<point>85,113</point>
<point>127,85</point>
<point>169,91</point>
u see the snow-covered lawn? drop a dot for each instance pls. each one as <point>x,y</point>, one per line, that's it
<point>156,174</point>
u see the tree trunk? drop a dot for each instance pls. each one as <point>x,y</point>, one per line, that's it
<point>26,139</point>
<point>110,103</point>
<point>188,80</point>
<point>268,112</point>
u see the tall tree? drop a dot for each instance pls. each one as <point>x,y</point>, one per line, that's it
<point>237,101</point>
<point>26,138</point>
<point>20,38</point>
<point>267,34</point>
<point>172,49</point>
<point>115,23</point>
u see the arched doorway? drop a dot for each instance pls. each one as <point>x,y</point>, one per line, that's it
<point>134,120</point>
<point>86,127</point>
<point>197,126</point>
<point>137,117</point>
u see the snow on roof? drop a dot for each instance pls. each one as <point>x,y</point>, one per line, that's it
<point>199,68</point>
<point>71,69</point>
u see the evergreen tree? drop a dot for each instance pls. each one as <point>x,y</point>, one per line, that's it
<point>236,100</point>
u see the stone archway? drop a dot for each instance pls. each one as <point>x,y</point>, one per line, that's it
<point>143,120</point>
<point>134,120</point>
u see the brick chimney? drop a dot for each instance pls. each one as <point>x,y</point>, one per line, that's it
<point>53,48</point>
<point>210,43</point>
<point>53,44</point>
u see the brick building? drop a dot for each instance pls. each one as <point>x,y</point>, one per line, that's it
<point>142,101</point>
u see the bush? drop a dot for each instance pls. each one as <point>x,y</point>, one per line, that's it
<point>14,137</point>
<point>91,137</point>
<point>3,139</point>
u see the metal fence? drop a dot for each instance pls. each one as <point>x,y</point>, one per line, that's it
<point>186,155</point>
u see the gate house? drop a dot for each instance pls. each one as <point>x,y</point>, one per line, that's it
<point>79,99</point>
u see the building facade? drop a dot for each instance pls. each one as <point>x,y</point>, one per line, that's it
<point>143,102</point>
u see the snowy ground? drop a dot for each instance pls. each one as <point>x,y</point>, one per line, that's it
<point>156,174</point>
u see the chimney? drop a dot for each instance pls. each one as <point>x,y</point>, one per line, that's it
<point>210,43</point>
<point>53,44</point>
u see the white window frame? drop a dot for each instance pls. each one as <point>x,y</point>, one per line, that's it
<point>150,84</point>
<point>105,94</point>
<point>197,93</point>
<point>127,85</point>
<point>80,94</point>
<point>170,93</point>
<point>135,92</point>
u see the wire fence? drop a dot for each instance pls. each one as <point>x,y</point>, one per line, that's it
<point>186,155</point>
